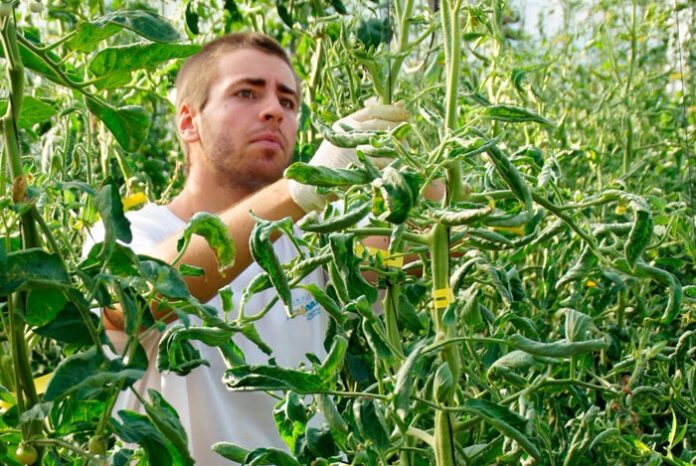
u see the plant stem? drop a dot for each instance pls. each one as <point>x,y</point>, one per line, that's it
<point>30,236</point>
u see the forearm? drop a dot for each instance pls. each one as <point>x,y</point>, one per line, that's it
<point>273,202</point>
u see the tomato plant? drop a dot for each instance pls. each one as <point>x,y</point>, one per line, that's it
<point>541,312</point>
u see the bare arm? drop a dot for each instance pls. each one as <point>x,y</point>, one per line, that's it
<point>272,202</point>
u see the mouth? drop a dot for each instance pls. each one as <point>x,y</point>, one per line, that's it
<point>269,140</point>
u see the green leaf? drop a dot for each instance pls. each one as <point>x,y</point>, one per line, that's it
<point>129,124</point>
<point>43,306</point>
<point>270,456</point>
<point>334,360</point>
<point>191,17</point>
<point>372,32</point>
<point>127,58</point>
<point>580,270</point>
<point>32,268</point>
<point>578,325</point>
<point>557,349</point>
<point>443,383</point>
<point>506,422</point>
<point>108,203</point>
<point>326,177</point>
<point>165,278</point>
<point>347,265</point>
<point>254,378</point>
<point>316,443</point>
<point>176,354</point>
<point>33,111</point>
<point>369,417</point>
<point>88,370</point>
<point>460,216</point>
<point>394,195</point>
<point>290,418</point>
<point>217,235</point>
<point>404,382</point>
<point>137,428</point>
<point>70,327</point>
<point>327,407</point>
<point>263,253</point>
<point>143,23</point>
<point>512,114</point>
<point>230,451</point>
<point>509,173</point>
<point>326,302</point>
<point>641,232</point>
<point>166,421</point>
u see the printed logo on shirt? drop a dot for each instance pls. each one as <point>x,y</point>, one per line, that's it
<point>305,305</point>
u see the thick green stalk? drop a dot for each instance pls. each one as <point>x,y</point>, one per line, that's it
<point>403,11</point>
<point>439,250</point>
<point>30,235</point>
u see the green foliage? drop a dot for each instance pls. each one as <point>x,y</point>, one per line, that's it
<point>545,312</point>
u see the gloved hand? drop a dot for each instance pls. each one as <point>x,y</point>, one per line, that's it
<point>373,117</point>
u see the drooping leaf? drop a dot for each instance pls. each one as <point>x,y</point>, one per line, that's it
<point>509,173</point>
<point>512,114</point>
<point>326,177</point>
<point>641,231</point>
<point>251,378</point>
<point>557,349</point>
<point>263,253</point>
<point>129,124</point>
<point>404,382</point>
<point>326,302</point>
<point>506,422</point>
<point>394,194</point>
<point>230,451</point>
<point>137,428</point>
<point>215,233</point>
<point>165,278</point>
<point>166,421</point>
<point>369,417</point>
<point>334,360</point>
<point>290,418</point>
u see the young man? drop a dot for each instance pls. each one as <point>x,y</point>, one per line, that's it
<point>236,112</point>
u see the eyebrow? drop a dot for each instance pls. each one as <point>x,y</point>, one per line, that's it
<point>262,82</point>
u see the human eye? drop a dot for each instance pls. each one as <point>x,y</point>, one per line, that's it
<point>245,94</point>
<point>287,103</point>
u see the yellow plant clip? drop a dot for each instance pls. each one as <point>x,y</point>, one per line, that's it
<point>393,261</point>
<point>443,297</point>
<point>133,200</point>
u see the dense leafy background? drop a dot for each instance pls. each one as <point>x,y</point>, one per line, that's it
<point>572,237</point>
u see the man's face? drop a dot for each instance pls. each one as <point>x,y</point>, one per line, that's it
<point>248,125</point>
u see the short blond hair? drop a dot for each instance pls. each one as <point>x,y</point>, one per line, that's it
<point>198,72</point>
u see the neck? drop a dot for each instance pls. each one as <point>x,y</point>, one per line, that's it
<point>205,192</point>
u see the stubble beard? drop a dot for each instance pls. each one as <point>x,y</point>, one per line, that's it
<point>237,175</point>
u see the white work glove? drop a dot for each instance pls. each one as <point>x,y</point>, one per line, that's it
<point>374,117</point>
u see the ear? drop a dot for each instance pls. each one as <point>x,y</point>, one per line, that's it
<point>186,125</point>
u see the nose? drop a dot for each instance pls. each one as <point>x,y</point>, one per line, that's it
<point>272,109</point>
